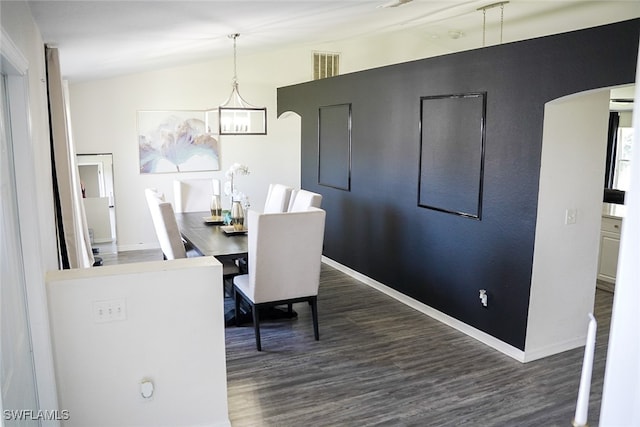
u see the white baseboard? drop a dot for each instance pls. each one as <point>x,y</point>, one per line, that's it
<point>477,334</point>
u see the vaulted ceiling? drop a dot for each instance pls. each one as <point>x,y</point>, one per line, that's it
<point>105,38</point>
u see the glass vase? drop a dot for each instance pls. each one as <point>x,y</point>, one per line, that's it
<point>237,216</point>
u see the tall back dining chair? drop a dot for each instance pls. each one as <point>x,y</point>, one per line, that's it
<point>285,254</point>
<point>194,195</point>
<point>168,233</point>
<point>301,200</point>
<point>278,197</point>
<point>164,222</point>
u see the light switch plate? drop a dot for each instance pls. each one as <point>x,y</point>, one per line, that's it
<point>109,310</point>
<point>570,216</point>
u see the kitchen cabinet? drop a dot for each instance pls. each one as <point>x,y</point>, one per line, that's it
<point>609,247</point>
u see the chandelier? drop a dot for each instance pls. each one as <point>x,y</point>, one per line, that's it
<point>236,116</point>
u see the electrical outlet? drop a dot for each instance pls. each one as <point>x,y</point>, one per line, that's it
<point>483,297</point>
<point>109,311</point>
<point>570,216</point>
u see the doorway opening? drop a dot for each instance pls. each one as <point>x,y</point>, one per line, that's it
<point>617,182</point>
<point>96,178</point>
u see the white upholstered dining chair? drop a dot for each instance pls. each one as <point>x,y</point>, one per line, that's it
<point>164,222</point>
<point>194,195</point>
<point>168,233</point>
<point>278,197</point>
<point>285,254</point>
<point>301,200</point>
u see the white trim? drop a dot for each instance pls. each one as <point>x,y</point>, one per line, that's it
<point>472,332</point>
<point>12,56</point>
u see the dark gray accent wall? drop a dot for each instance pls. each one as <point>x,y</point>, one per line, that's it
<point>440,259</point>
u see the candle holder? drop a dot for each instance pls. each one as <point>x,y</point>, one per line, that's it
<point>216,207</point>
<point>575,424</point>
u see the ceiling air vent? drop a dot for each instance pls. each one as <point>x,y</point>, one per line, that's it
<point>325,64</point>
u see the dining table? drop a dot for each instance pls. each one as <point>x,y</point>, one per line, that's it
<point>208,238</point>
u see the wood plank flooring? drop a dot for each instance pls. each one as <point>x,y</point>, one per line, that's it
<point>381,363</point>
<point>126,257</point>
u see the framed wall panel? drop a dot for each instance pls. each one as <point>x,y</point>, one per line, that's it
<point>452,135</point>
<point>334,146</point>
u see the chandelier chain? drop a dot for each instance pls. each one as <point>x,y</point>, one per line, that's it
<point>235,58</point>
<point>484,27</point>
<point>501,20</point>
<point>484,19</point>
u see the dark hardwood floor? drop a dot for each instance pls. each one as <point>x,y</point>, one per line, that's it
<point>381,363</point>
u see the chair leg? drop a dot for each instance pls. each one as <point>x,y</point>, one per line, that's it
<point>290,309</point>
<point>314,315</point>
<point>236,299</point>
<point>256,325</point>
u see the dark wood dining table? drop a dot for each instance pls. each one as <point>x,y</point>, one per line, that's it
<point>208,239</point>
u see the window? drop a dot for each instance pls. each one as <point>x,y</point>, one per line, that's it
<point>325,64</point>
<point>619,147</point>
<point>621,177</point>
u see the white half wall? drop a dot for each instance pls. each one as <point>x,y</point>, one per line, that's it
<point>171,333</point>
<point>565,257</point>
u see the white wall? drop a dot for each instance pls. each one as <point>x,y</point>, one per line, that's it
<point>172,334</point>
<point>621,391</point>
<point>98,218</point>
<point>30,128</point>
<point>626,119</point>
<point>104,120</point>
<point>565,257</point>
<point>17,22</point>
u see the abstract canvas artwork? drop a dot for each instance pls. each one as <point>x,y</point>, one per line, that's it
<point>176,141</point>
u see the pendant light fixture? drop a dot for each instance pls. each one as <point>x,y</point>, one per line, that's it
<point>236,116</point>
<point>484,19</point>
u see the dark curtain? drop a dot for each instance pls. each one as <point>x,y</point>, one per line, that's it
<point>612,142</point>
